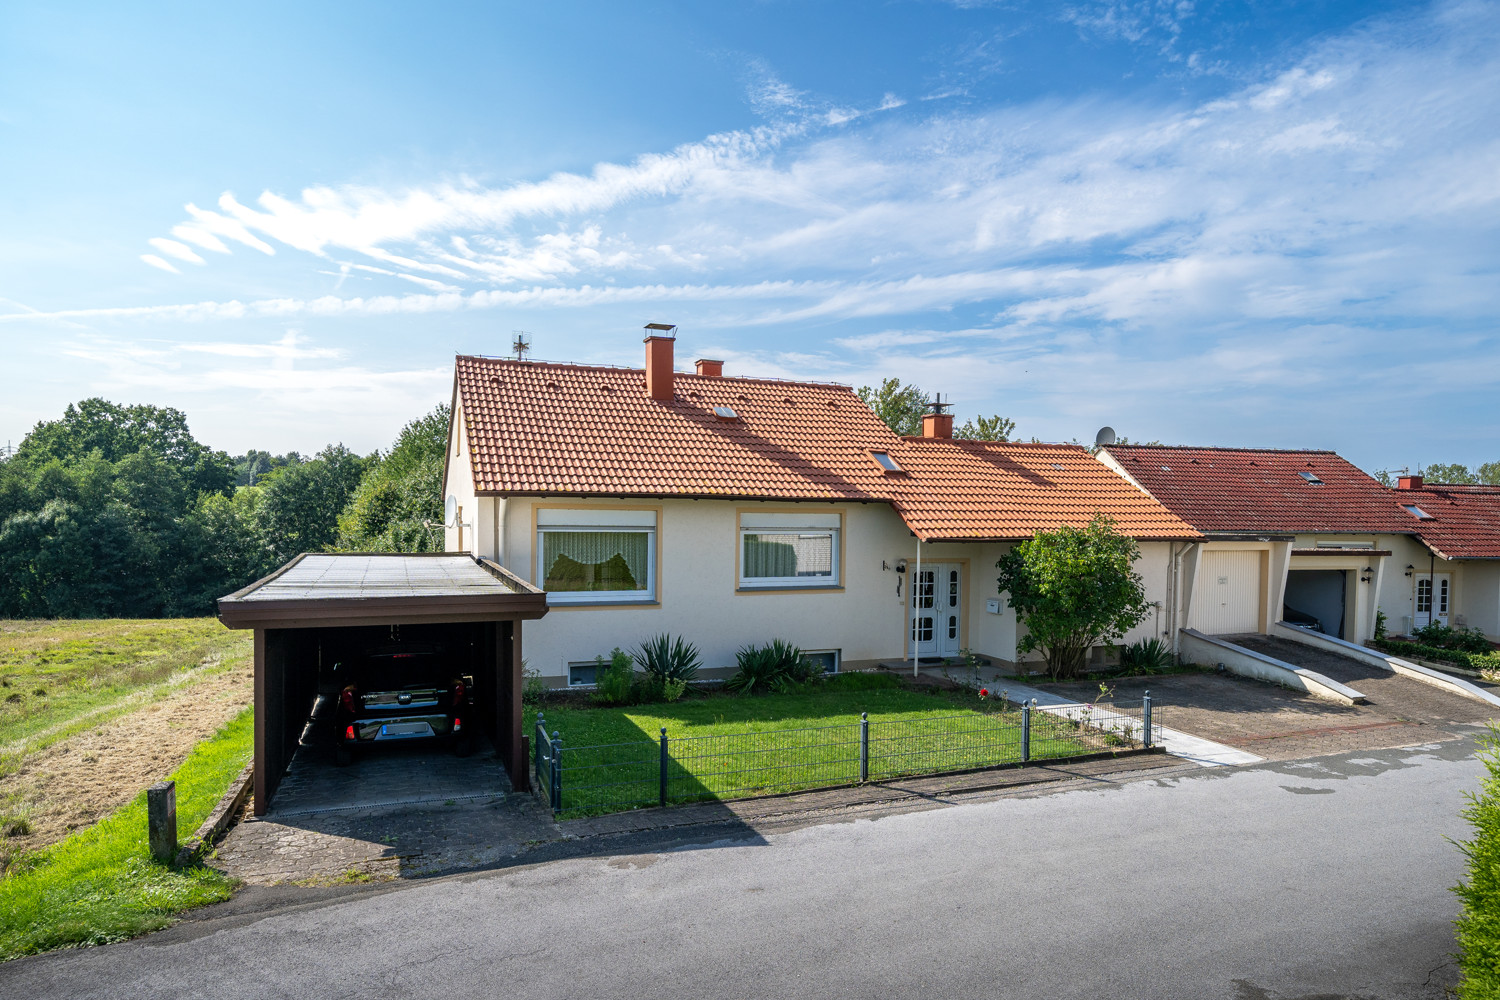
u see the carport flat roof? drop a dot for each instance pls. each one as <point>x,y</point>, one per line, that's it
<point>362,588</point>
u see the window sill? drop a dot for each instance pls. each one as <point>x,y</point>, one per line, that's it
<point>827,588</point>
<point>638,602</point>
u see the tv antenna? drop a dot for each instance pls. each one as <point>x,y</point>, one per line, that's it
<point>521,344</point>
<point>939,405</point>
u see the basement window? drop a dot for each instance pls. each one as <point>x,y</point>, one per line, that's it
<point>886,461</point>
<point>1416,512</point>
<point>1312,478</point>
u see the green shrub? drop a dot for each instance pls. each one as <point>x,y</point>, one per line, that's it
<point>1467,640</point>
<point>1147,656</point>
<point>667,659</point>
<point>613,681</point>
<point>1479,923</point>
<point>1380,624</point>
<point>776,666</point>
<point>534,691</point>
<point>1474,661</point>
<point>672,688</point>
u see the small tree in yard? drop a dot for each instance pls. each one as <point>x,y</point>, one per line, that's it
<point>1072,589</point>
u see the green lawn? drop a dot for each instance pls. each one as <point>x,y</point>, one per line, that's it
<point>54,673</point>
<point>723,746</point>
<point>100,884</point>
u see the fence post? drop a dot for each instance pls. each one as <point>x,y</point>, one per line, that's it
<point>161,820</point>
<point>664,759</point>
<point>556,771</point>
<point>538,739</point>
<point>1025,731</point>
<point>864,746</point>
<point>1146,720</point>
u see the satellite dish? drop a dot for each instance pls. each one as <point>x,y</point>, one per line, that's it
<point>450,510</point>
<point>1106,436</point>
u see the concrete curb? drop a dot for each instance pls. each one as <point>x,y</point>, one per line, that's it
<point>1454,685</point>
<point>220,817</point>
<point>1247,662</point>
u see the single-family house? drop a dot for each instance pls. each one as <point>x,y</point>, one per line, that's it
<point>1456,580</point>
<point>1306,537</point>
<point>732,511</point>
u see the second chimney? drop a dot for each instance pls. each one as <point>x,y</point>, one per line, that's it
<point>1409,483</point>
<point>712,369</point>
<point>659,340</point>
<point>937,425</point>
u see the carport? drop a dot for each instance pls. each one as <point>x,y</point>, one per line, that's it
<point>318,605</point>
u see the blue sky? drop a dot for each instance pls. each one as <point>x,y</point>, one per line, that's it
<point>1261,223</point>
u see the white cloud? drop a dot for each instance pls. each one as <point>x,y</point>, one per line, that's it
<point>174,249</point>
<point>156,262</point>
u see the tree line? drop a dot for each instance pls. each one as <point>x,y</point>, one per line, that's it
<point>119,512</point>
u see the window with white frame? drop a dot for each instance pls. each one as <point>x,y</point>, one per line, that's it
<point>596,556</point>
<point>789,550</point>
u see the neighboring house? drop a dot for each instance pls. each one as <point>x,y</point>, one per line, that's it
<point>1457,578</point>
<point>1302,536</point>
<point>733,511</point>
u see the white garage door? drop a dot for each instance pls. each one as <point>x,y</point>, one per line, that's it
<point>1226,594</point>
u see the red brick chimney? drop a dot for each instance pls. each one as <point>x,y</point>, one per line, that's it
<point>1409,483</point>
<point>713,369</point>
<point>937,425</point>
<point>659,340</point>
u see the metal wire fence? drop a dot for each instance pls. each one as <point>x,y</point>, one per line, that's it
<point>610,777</point>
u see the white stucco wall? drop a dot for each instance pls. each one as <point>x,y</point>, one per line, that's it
<point>698,595</point>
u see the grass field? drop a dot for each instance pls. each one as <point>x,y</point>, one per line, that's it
<point>100,884</point>
<point>55,672</point>
<point>93,711</point>
<point>726,747</point>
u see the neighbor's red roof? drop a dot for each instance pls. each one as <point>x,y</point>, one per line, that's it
<point>1465,519</point>
<point>1260,490</point>
<point>554,429</point>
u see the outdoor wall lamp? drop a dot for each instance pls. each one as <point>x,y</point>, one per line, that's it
<point>1409,568</point>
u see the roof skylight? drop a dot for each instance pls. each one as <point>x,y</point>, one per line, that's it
<point>1416,512</point>
<point>886,461</point>
<point>725,413</point>
<point>1312,478</point>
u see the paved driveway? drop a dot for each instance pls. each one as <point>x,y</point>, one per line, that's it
<point>1279,724</point>
<point>1324,878</point>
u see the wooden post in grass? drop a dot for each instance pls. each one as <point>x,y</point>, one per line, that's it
<point>161,820</point>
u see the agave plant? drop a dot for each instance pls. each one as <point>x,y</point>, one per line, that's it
<point>1147,655</point>
<point>667,659</point>
<point>776,666</point>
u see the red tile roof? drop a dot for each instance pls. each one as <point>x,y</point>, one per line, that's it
<point>554,429</point>
<point>1465,519</point>
<point>1261,490</point>
<point>984,489</point>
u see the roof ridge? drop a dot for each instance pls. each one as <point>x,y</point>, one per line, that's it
<point>1217,447</point>
<point>642,372</point>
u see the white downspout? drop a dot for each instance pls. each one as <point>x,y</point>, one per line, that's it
<point>916,603</point>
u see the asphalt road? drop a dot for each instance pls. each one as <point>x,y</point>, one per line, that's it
<point>1322,878</point>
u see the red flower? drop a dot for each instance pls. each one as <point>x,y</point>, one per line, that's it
<point>984,692</point>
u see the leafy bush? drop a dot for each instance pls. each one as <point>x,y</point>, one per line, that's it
<point>1474,661</point>
<point>667,659</point>
<point>672,688</point>
<point>1147,656</point>
<point>613,681</point>
<point>1467,640</point>
<point>1479,923</point>
<point>776,666</point>
<point>534,690</point>
<point>1380,624</point>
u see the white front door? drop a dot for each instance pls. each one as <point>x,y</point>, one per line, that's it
<point>1427,597</point>
<point>936,610</point>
